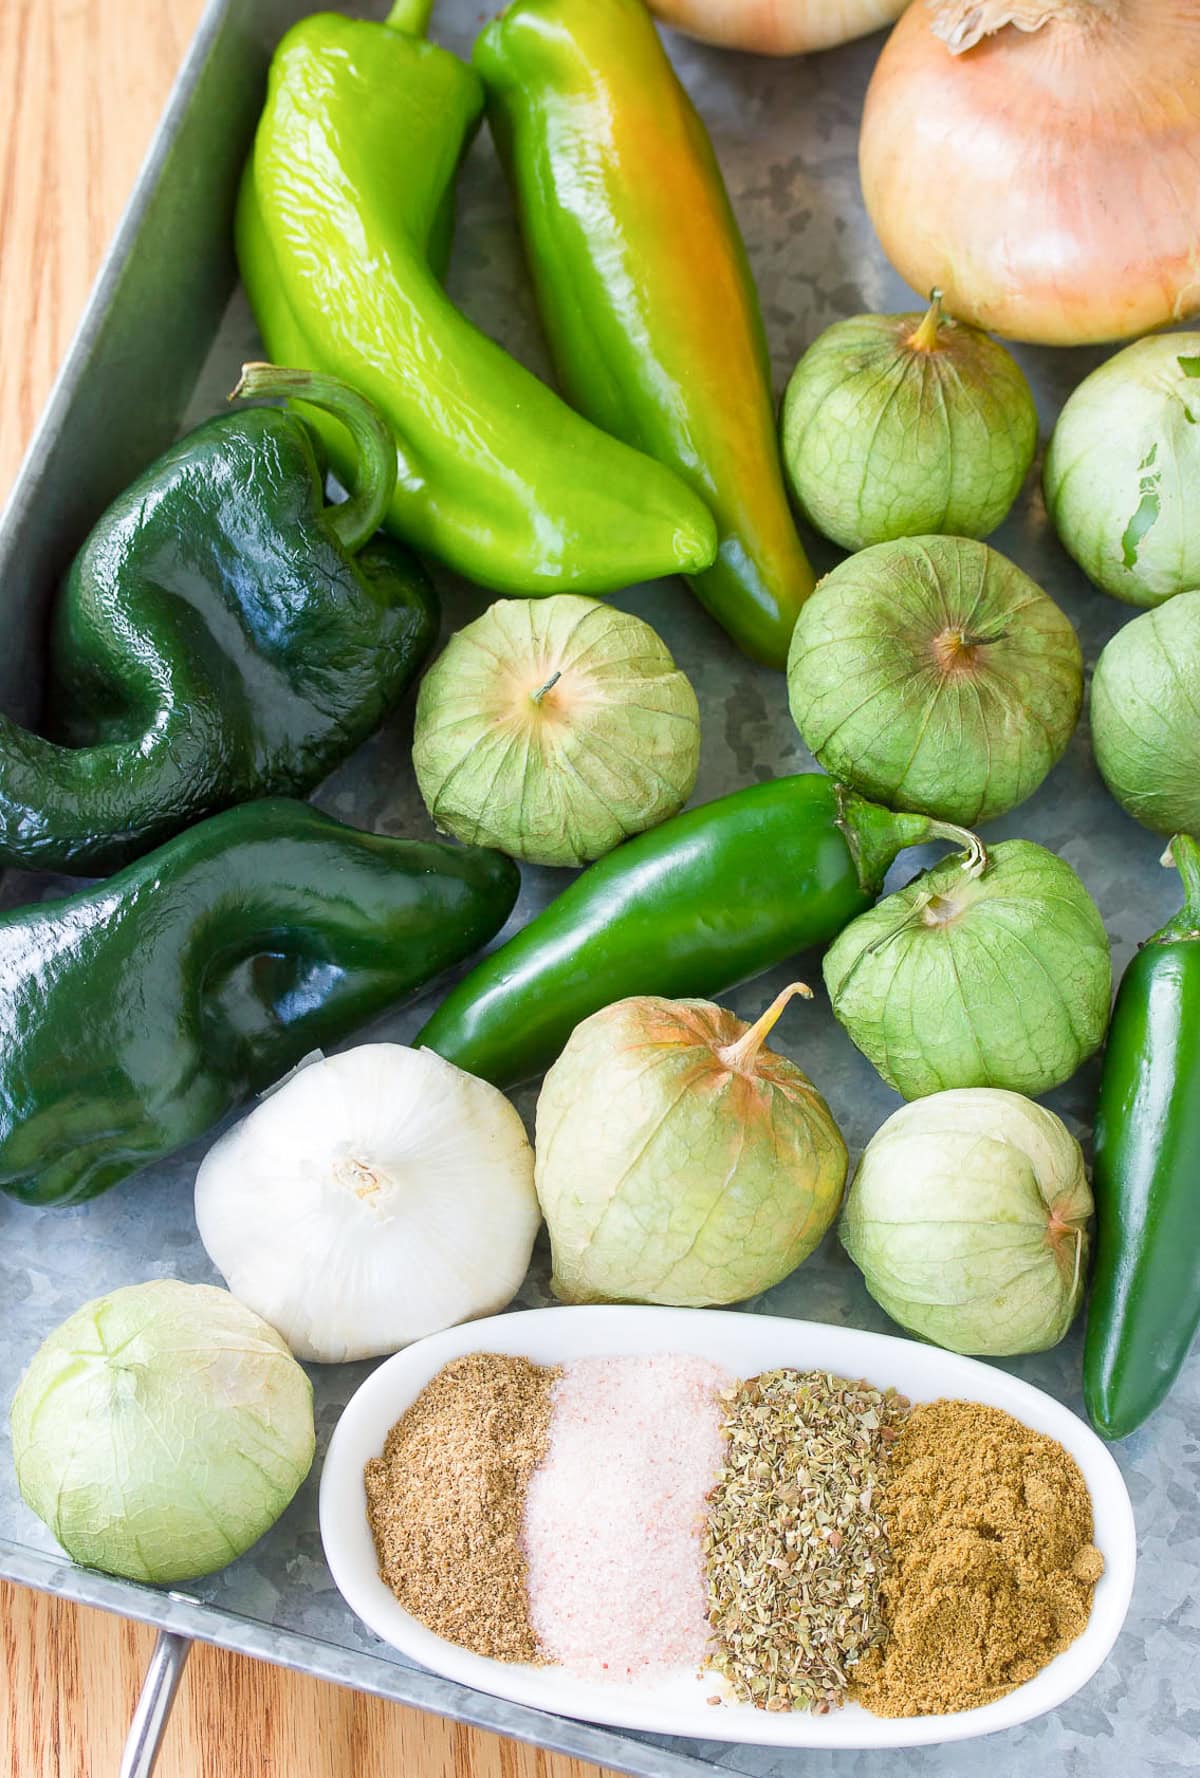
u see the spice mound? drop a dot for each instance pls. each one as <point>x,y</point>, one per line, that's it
<point>795,1540</point>
<point>993,1566</point>
<point>613,1515</point>
<point>445,1501</point>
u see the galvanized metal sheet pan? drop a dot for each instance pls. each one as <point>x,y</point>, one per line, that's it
<point>159,348</point>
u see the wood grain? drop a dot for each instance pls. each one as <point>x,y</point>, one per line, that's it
<point>82,83</point>
<point>70,1679</point>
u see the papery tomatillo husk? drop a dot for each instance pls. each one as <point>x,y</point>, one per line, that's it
<point>902,425</point>
<point>678,1160</point>
<point>777,27</point>
<point>996,972</point>
<point>1037,160</point>
<point>552,729</point>
<point>968,1220</point>
<point>932,674</point>
<point>1120,471</point>
<point>161,1430</point>
<point>1146,716</point>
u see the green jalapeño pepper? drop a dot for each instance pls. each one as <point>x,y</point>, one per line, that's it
<point>1145,1302</point>
<point>692,907</point>
<point>223,634</point>
<point>342,233</point>
<point>643,282</point>
<point>137,1013</point>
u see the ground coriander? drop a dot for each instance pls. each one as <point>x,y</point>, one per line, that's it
<point>794,1543</point>
<point>993,1565</point>
<point>445,1501</point>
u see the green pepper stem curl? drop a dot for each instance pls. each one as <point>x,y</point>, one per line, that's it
<point>1184,854</point>
<point>357,519</point>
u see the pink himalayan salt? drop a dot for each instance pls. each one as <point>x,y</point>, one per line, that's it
<point>614,1512</point>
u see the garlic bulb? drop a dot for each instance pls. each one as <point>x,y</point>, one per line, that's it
<point>375,1197</point>
<point>777,27</point>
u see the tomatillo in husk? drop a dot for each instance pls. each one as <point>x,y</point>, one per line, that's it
<point>554,730</point>
<point>900,425</point>
<point>1121,466</point>
<point>993,969</point>
<point>680,1161</point>
<point>932,674</point>
<point>968,1220</point>
<point>1146,716</point>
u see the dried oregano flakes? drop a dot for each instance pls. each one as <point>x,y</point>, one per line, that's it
<point>795,1544</point>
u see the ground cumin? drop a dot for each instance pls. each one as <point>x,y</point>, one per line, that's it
<point>993,1565</point>
<point>445,1501</point>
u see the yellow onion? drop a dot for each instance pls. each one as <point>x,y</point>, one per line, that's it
<point>777,27</point>
<point>1039,160</point>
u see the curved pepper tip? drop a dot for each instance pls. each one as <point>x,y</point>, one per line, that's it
<point>698,543</point>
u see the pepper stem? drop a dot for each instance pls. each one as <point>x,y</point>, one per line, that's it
<point>876,836</point>
<point>357,519</point>
<point>410,16</point>
<point>535,697</point>
<point>924,338</point>
<point>1184,854</point>
<point>740,1057</point>
<point>975,858</point>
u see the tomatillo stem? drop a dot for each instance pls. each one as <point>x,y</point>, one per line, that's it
<point>535,697</point>
<point>740,1057</point>
<point>924,338</point>
<point>358,518</point>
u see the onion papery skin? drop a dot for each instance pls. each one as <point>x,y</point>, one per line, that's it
<point>777,27</point>
<point>1045,180</point>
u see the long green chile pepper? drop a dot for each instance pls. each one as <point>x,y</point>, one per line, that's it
<point>223,634</point>
<point>694,906</point>
<point>343,228</point>
<point>138,1012</point>
<point>643,283</point>
<point>1145,1302</point>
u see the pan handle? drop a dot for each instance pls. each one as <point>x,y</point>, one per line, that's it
<point>154,1706</point>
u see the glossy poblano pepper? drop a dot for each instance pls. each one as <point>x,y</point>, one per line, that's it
<point>223,634</point>
<point>137,1012</point>
<point>644,285</point>
<point>694,906</point>
<point>1145,1302</point>
<point>343,232</point>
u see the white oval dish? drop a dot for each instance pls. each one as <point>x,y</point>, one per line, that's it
<point>744,1345</point>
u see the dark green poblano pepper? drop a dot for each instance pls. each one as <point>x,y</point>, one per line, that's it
<point>223,634</point>
<point>139,1011</point>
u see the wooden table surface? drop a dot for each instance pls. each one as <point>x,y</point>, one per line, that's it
<point>82,83</point>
